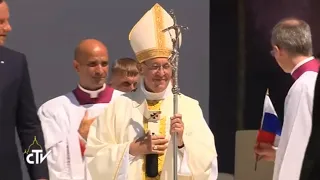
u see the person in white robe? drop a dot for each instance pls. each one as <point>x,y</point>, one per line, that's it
<point>140,123</point>
<point>292,49</point>
<point>66,119</point>
<point>310,167</point>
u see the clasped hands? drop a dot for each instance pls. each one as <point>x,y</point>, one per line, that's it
<point>157,144</point>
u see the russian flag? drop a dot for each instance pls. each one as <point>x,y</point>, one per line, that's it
<point>270,130</point>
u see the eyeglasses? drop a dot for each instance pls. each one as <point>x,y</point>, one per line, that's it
<point>272,53</point>
<point>157,67</point>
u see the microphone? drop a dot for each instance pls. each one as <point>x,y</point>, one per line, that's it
<point>152,164</point>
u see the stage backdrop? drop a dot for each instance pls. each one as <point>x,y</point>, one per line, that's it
<point>48,31</point>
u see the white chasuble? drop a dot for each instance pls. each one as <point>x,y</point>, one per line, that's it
<point>60,119</point>
<point>123,122</point>
<point>297,124</point>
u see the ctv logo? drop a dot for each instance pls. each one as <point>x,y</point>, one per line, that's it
<point>36,155</point>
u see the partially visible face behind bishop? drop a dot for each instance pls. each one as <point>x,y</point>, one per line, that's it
<point>124,82</point>
<point>91,63</point>
<point>157,74</point>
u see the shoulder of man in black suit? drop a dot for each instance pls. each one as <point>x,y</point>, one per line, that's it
<point>7,54</point>
<point>27,122</point>
<point>9,51</point>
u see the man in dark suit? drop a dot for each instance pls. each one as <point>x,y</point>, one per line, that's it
<point>311,163</point>
<point>17,110</point>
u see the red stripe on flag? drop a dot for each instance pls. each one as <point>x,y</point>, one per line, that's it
<point>265,137</point>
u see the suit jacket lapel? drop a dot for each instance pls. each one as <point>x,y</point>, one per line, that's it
<point>1,64</point>
<point>3,70</point>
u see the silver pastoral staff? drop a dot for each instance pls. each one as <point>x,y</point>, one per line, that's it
<point>174,60</point>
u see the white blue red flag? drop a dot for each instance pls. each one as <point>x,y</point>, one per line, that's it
<point>271,127</point>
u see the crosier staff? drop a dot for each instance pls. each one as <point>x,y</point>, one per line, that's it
<point>174,61</point>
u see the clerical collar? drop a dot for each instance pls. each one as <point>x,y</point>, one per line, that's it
<point>309,64</point>
<point>156,96</point>
<point>93,94</point>
<point>103,95</point>
<point>301,63</point>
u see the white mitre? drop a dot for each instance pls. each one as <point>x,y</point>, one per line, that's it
<point>147,39</point>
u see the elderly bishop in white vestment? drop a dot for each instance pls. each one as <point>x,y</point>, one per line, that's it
<point>60,118</point>
<point>114,135</point>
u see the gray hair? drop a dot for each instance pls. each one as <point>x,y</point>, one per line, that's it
<point>293,35</point>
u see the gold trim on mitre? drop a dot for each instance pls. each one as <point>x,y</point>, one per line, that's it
<point>147,39</point>
<point>152,53</point>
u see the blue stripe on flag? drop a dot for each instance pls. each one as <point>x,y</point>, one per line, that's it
<point>271,124</point>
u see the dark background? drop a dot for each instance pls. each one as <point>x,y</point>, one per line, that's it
<point>240,46</point>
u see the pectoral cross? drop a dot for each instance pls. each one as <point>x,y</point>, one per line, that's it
<point>155,115</point>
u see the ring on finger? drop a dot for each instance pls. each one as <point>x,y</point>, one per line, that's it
<point>155,147</point>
